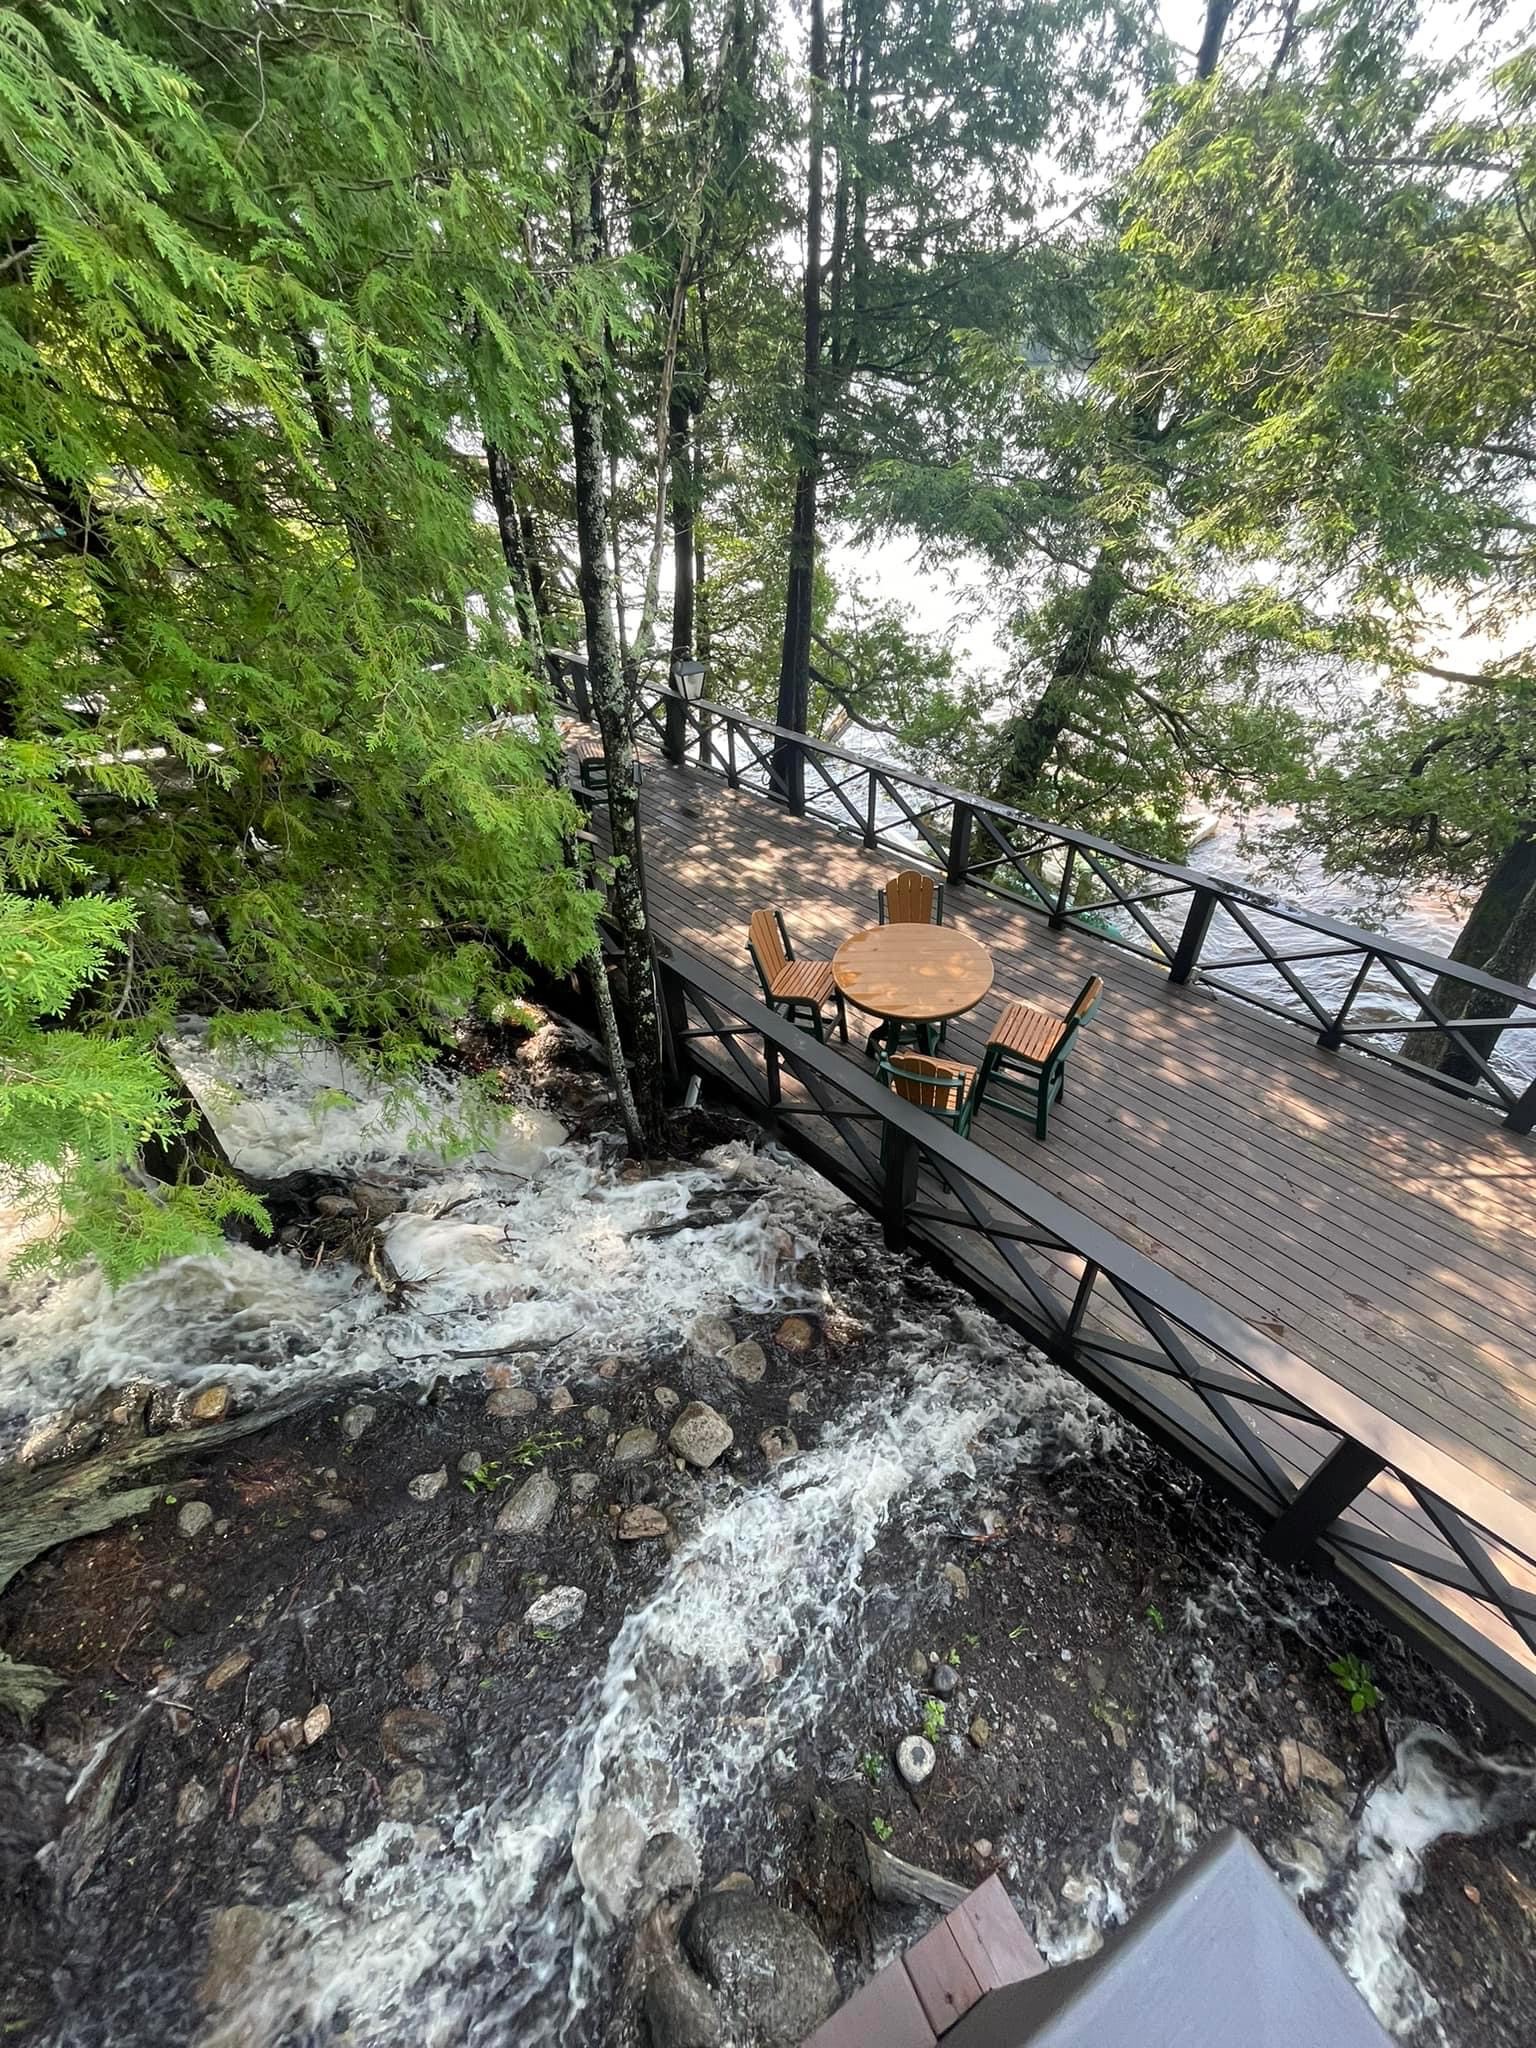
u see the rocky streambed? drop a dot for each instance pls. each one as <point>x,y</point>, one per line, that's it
<point>513,1638</point>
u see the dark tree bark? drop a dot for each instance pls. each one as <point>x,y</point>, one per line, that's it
<point>680,473</point>
<point>509,525</point>
<point>1499,936</point>
<point>795,658</point>
<point>1033,738</point>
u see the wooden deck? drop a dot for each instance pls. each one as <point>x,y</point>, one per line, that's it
<point>1379,1230</point>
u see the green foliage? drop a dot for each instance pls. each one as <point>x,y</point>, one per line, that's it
<point>872,1764</point>
<point>935,1715</point>
<point>881,1829</point>
<point>1353,1678</point>
<point>1156,1621</point>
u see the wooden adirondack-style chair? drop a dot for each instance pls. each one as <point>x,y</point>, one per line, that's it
<point>1027,1054</point>
<point>911,898</point>
<point>798,988</point>
<point>943,1087</point>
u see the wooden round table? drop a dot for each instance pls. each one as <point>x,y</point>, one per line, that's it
<point>913,977</point>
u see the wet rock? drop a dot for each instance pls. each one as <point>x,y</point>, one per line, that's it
<point>194,1518</point>
<point>194,1803</point>
<point>506,1402</point>
<point>794,1334</point>
<point>243,1942</point>
<point>635,1444</point>
<point>746,1362</point>
<point>608,1368</point>
<point>915,1759</point>
<point>669,1869</point>
<point>420,1676</point>
<point>680,2009</point>
<point>335,1205</point>
<point>208,1404</point>
<point>1307,1860</point>
<point>944,1679</point>
<point>778,1444</point>
<point>557,1610</point>
<point>530,1508</point>
<point>1301,1764</point>
<point>980,1731</point>
<point>561,1401</point>
<point>583,1486</point>
<point>428,1485</point>
<point>735,1881</point>
<point>667,1399</point>
<point>596,1417</point>
<point>412,1734</point>
<point>957,1579</point>
<point>918,1666</point>
<point>1328,1823</point>
<point>765,1964</point>
<point>472,1462</point>
<point>700,1435</point>
<point>841,1329</point>
<point>312,1862</point>
<point>636,1525</point>
<point>464,1572</point>
<point>405,1796</point>
<point>376,1202</point>
<point>265,1808</point>
<point>711,1336</point>
<point>316,1723</point>
<point>226,1669</point>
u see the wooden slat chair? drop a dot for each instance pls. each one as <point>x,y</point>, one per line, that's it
<point>945,1088</point>
<point>911,898</point>
<point>1027,1052</point>
<point>795,987</point>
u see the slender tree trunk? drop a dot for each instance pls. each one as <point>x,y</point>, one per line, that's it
<point>679,432</point>
<point>800,595</point>
<point>613,1045</point>
<point>1499,936</point>
<point>509,525</point>
<point>1034,737</point>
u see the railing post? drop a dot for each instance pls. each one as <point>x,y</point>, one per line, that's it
<point>1343,1475</point>
<point>1058,916</point>
<point>732,774</point>
<point>1197,923</point>
<point>674,742</point>
<point>794,771</point>
<point>958,865</point>
<point>674,1014</point>
<point>899,1156</point>
<point>871,837</point>
<point>1522,1118</point>
<point>775,1078</point>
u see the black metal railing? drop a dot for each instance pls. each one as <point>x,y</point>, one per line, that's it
<point>1428,1537</point>
<point>1232,938</point>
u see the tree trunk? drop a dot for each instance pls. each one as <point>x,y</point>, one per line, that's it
<point>509,524</point>
<point>799,602</point>
<point>679,431</point>
<point>1034,737</point>
<point>1499,936</point>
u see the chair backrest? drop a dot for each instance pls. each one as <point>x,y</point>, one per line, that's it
<point>912,898</point>
<point>766,945</point>
<point>1086,1000</point>
<point>928,1083</point>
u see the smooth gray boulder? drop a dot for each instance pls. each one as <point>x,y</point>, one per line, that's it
<point>772,1975</point>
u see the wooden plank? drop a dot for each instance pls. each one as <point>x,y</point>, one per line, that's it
<point>992,1937</point>
<point>884,2013</point>
<point>944,1981</point>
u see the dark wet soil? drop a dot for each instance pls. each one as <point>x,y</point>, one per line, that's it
<point>333,1652</point>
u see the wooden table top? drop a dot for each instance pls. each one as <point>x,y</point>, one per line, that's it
<point>912,973</point>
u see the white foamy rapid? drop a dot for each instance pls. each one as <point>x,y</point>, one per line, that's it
<point>528,1242</point>
<point>1435,1790</point>
<point>759,1632</point>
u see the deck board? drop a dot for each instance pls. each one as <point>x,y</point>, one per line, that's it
<point>1381,1229</point>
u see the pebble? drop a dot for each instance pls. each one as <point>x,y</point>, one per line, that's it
<point>958,1580</point>
<point>530,1508</point>
<point>561,1400</point>
<point>208,1404</point>
<point>980,1731</point>
<point>840,1328</point>
<point>981,1849</point>
<point>1307,1859</point>
<point>471,1461</point>
<point>596,1417</point>
<point>265,1808</point>
<point>637,1524</point>
<point>194,1803</point>
<point>559,1609</point>
<point>312,1862</point>
<point>227,1668</point>
<point>420,1676</point>
<point>747,1361</point>
<point>778,1444</point>
<point>667,1399</point>
<point>406,1794</point>
<point>1302,1764</point>
<point>465,1570</point>
<point>358,1420</point>
<point>918,1666</point>
<point>583,1486</point>
<point>317,1723</point>
<point>945,1680</point>
<point>428,1485</point>
<point>701,1435</point>
<point>794,1334</point>
<point>915,1759</point>
<point>412,1735</point>
<point>506,1402</point>
<point>609,1368</point>
<point>194,1518</point>
<point>798,1403</point>
<point>711,1335</point>
<point>634,1444</point>
<point>329,1812</point>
